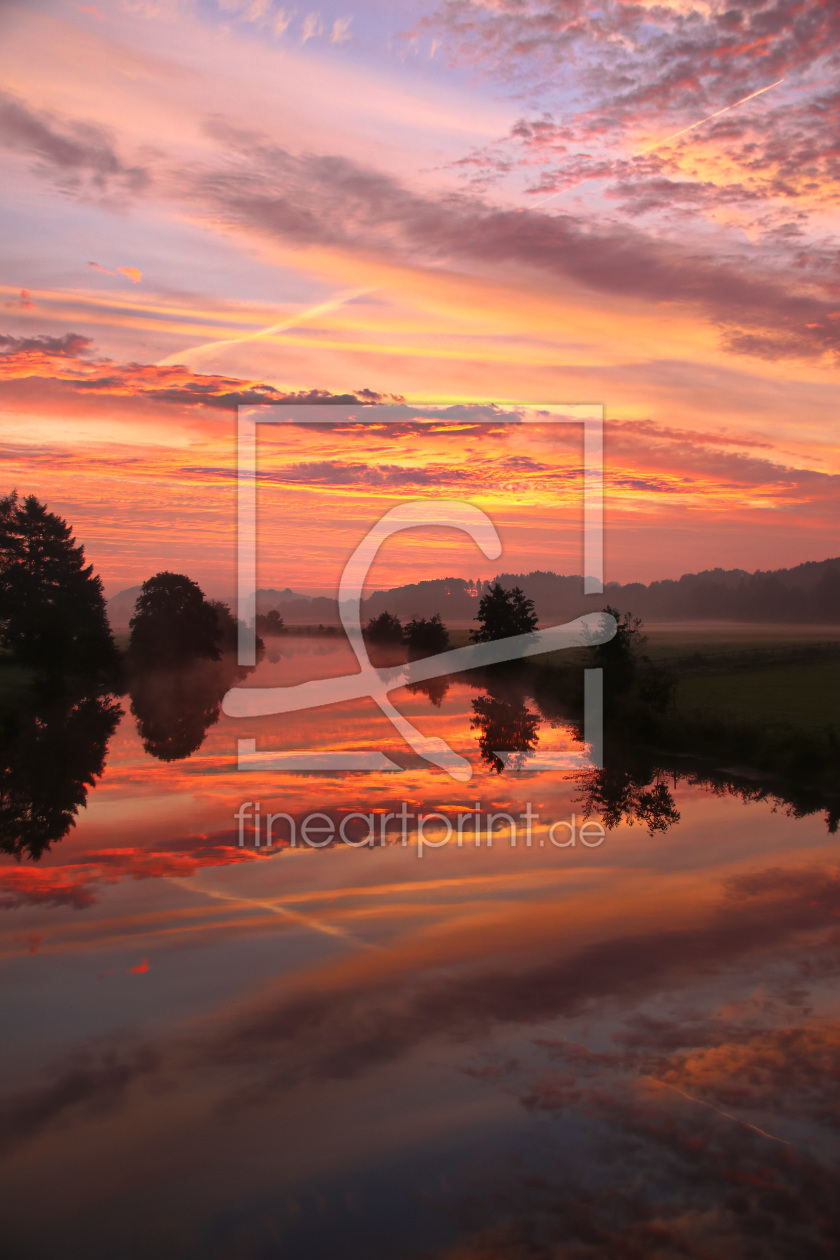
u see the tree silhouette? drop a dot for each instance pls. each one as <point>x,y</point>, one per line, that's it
<point>51,752</point>
<point>386,628</point>
<point>175,708</point>
<point>504,725</point>
<point>229,628</point>
<point>503,613</point>
<point>424,637</point>
<point>173,623</point>
<point>620,657</point>
<point>624,794</point>
<point>270,623</point>
<point>176,704</point>
<point>436,689</point>
<point>52,609</point>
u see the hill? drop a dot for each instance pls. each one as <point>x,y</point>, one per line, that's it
<point>807,593</point>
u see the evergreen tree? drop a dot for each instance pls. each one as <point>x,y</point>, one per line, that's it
<point>173,623</point>
<point>51,754</point>
<point>502,614</point>
<point>52,609</point>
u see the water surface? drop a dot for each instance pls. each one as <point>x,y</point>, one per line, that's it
<point>492,1050</point>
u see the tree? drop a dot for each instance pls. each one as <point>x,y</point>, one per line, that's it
<point>52,608</point>
<point>504,725</point>
<point>436,689</point>
<point>173,623</point>
<point>386,628</point>
<point>424,637</point>
<point>229,628</point>
<point>620,794</point>
<point>176,702</point>
<point>503,613</point>
<point>620,657</point>
<point>175,708</point>
<point>52,751</point>
<point>270,623</point>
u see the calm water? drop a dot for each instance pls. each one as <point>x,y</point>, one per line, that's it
<point>487,1052</point>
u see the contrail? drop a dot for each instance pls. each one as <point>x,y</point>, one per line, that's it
<point>658,143</point>
<point>287,324</point>
<point>725,110</point>
<point>276,907</point>
<point>727,1114</point>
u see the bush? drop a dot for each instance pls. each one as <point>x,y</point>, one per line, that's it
<point>426,636</point>
<point>386,628</point>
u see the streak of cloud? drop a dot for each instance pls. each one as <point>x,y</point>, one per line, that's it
<point>134,274</point>
<point>294,916</point>
<point>727,1115</point>
<point>286,325</point>
<point>657,144</point>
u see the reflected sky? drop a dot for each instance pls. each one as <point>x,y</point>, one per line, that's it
<point>491,1051</point>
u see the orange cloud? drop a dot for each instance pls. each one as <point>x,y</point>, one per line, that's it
<point>134,274</point>
<point>23,303</point>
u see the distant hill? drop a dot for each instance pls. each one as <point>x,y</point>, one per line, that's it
<point>807,593</point>
<point>121,608</point>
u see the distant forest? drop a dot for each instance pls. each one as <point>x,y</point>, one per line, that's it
<point>807,593</point>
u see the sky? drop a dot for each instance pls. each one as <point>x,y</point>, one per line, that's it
<point>509,201</point>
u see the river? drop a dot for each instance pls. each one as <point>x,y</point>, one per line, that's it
<point>518,1040</point>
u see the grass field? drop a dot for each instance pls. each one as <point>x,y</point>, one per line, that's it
<point>806,695</point>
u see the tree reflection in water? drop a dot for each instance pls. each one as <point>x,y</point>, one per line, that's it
<point>435,689</point>
<point>505,724</point>
<point>618,794</point>
<point>175,708</point>
<point>52,750</point>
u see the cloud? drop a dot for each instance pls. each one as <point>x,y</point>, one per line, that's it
<point>27,886</point>
<point>631,55</point>
<point>71,150</point>
<point>329,200</point>
<point>22,303</point>
<point>480,474</point>
<point>312,26</point>
<point>340,30</point>
<point>525,966</point>
<point>373,1011</point>
<point>766,306</point>
<point>67,359</point>
<point>40,350</point>
<point>134,274</point>
<point>669,110</point>
<point>84,1085</point>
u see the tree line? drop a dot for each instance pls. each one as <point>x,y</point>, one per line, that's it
<point>501,614</point>
<point>53,614</point>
